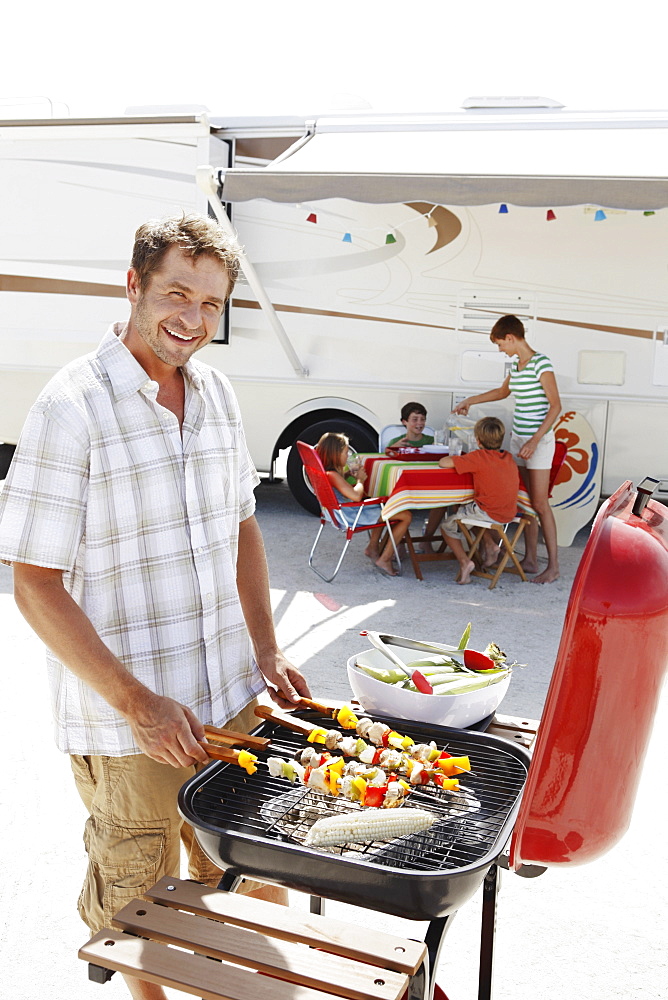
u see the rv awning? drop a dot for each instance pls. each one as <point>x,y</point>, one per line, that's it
<point>547,165</point>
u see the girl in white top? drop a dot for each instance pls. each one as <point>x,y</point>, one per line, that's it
<point>537,405</point>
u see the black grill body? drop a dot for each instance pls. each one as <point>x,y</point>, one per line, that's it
<point>254,825</point>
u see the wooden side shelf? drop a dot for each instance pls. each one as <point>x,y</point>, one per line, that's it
<point>261,950</point>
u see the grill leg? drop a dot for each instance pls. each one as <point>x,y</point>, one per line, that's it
<point>421,986</point>
<point>490,892</point>
<point>230,880</point>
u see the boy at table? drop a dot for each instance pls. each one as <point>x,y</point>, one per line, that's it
<point>414,418</point>
<point>495,484</point>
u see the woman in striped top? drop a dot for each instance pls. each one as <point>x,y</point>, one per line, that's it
<point>532,383</point>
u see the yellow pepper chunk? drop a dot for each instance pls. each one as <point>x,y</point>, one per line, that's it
<point>317,735</point>
<point>359,784</point>
<point>346,717</point>
<point>450,784</point>
<point>407,742</point>
<point>337,764</point>
<point>247,761</point>
<point>454,765</point>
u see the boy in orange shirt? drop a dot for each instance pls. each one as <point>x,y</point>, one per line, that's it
<point>495,485</point>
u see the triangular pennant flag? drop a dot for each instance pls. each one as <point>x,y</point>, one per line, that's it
<point>649,213</point>
<point>390,238</point>
<point>312,217</point>
<point>600,215</point>
<point>431,221</point>
<point>550,215</point>
<point>503,209</point>
<point>347,238</point>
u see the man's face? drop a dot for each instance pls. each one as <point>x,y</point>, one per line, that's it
<point>178,310</point>
<point>415,424</point>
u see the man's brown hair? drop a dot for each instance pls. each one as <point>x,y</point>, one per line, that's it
<point>195,235</point>
<point>489,432</point>
<point>507,325</point>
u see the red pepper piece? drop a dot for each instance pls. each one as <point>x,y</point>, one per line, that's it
<point>376,757</point>
<point>375,794</point>
<point>478,661</point>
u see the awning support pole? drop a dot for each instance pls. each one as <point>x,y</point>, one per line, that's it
<point>207,183</point>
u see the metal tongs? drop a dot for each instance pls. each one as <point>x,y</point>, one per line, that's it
<point>382,641</point>
<point>379,640</point>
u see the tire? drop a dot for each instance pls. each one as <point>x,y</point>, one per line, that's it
<point>6,456</point>
<point>360,440</point>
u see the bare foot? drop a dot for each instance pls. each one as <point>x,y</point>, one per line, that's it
<point>547,576</point>
<point>528,567</point>
<point>489,558</point>
<point>465,572</point>
<point>386,567</point>
<point>372,552</point>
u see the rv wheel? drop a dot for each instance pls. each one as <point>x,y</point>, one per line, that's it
<point>360,440</point>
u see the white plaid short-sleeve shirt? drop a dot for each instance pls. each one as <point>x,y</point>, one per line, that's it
<point>143,518</point>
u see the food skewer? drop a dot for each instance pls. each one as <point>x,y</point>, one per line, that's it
<point>367,779</point>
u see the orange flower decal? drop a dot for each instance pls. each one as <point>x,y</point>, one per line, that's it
<point>577,459</point>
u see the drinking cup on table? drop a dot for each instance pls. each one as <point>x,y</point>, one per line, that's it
<point>354,464</point>
<point>455,445</point>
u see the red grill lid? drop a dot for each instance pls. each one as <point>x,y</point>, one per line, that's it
<point>604,691</point>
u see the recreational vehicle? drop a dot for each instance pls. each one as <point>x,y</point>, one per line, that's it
<point>379,252</point>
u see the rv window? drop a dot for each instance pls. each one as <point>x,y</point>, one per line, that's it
<point>601,367</point>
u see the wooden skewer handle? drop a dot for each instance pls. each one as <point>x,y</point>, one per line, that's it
<point>319,706</point>
<point>220,753</point>
<point>288,722</point>
<point>232,739</point>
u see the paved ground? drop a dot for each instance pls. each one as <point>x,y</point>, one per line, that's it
<point>594,932</point>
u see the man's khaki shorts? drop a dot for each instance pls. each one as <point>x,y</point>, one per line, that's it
<point>134,832</point>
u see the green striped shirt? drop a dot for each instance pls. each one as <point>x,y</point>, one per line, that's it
<point>531,403</point>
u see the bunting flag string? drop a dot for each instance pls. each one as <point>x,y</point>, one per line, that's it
<point>390,237</point>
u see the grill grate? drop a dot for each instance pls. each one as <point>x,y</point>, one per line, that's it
<point>469,821</point>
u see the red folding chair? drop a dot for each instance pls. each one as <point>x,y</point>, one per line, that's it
<point>330,509</point>
<point>560,452</point>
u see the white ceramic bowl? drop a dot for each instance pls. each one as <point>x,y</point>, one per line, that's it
<point>456,710</point>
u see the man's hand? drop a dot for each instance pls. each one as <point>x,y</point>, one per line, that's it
<point>285,683</point>
<point>167,731</point>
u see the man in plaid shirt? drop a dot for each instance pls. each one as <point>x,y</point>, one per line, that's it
<point>128,516</point>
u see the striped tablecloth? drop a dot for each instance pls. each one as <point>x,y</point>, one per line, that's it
<point>426,486</point>
<point>383,473</point>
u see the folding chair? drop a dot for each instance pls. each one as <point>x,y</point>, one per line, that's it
<point>506,545</point>
<point>560,452</point>
<point>330,509</point>
<point>392,431</point>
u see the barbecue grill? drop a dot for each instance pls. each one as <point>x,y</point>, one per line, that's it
<point>615,641</point>
<point>255,826</point>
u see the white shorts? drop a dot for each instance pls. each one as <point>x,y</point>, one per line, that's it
<point>470,509</point>
<point>542,456</point>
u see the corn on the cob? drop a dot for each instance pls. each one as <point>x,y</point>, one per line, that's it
<point>368,825</point>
